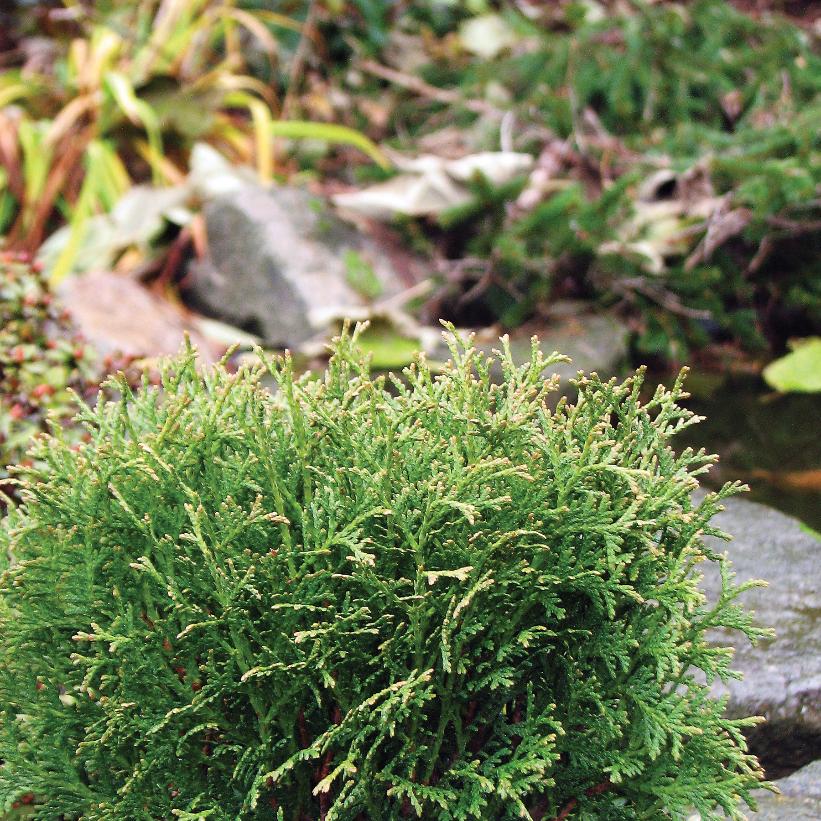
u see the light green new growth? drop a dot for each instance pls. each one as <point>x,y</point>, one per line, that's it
<point>439,600</point>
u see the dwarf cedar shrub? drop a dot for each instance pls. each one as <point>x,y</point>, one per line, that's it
<point>432,597</point>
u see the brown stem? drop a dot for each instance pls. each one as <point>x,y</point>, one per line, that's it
<point>423,89</point>
<point>571,804</point>
<point>516,718</point>
<point>298,62</point>
<point>173,260</point>
<point>325,797</point>
<point>304,739</point>
<point>479,739</point>
<point>665,298</point>
<point>323,770</point>
<point>567,809</point>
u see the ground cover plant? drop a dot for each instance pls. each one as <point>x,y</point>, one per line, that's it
<point>120,97</point>
<point>608,95</point>
<point>125,91</point>
<point>43,359</point>
<point>605,95</point>
<point>352,599</point>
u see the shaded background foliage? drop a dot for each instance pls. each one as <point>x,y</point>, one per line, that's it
<point>605,94</point>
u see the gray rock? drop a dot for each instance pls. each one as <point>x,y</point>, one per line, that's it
<point>278,264</point>
<point>782,677</point>
<point>800,799</point>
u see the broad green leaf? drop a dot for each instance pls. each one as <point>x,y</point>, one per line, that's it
<point>388,347</point>
<point>799,371</point>
<point>301,129</point>
<point>138,111</point>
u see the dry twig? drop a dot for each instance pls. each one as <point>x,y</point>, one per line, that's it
<point>423,89</point>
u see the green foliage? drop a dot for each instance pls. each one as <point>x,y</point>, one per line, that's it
<point>700,89</point>
<point>360,275</point>
<point>125,101</point>
<point>799,370</point>
<point>104,106</point>
<point>440,600</point>
<point>664,64</point>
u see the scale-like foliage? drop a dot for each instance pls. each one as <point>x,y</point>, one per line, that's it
<point>442,600</point>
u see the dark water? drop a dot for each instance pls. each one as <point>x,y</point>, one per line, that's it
<point>772,442</point>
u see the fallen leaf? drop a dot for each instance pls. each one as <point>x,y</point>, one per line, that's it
<point>723,224</point>
<point>212,175</point>
<point>144,211</point>
<point>387,347</point>
<point>393,338</point>
<point>137,219</point>
<point>118,315</point>
<point>805,481</point>
<point>222,334</point>
<point>486,36</point>
<point>429,185</point>
<point>799,371</point>
<point>670,212</point>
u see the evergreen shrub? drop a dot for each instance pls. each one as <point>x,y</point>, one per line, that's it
<point>365,599</point>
